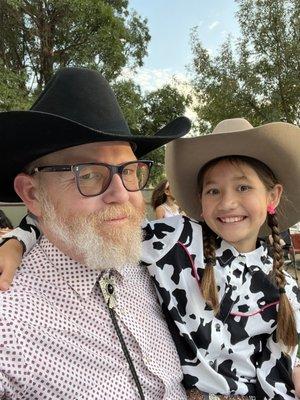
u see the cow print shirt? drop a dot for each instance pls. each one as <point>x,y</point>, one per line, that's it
<point>234,352</point>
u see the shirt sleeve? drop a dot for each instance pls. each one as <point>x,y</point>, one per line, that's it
<point>28,233</point>
<point>274,370</point>
<point>160,236</point>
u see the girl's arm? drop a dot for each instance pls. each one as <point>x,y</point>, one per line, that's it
<point>10,258</point>
<point>12,247</point>
<point>160,236</point>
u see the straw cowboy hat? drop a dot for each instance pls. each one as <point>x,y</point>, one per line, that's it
<point>276,144</point>
<point>76,107</point>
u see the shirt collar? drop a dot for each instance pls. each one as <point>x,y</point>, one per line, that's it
<point>259,257</point>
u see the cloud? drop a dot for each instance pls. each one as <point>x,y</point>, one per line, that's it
<point>152,79</point>
<point>213,25</point>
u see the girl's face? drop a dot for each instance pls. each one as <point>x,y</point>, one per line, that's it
<point>234,203</point>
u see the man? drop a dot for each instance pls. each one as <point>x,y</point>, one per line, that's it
<point>81,320</point>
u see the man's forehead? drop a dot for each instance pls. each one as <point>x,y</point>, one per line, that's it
<point>93,152</point>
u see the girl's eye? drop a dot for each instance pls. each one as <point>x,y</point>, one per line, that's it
<point>244,188</point>
<point>212,191</point>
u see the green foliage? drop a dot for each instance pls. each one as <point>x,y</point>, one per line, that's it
<point>39,36</point>
<point>131,102</point>
<point>13,93</point>
<point>162,106</point>
<point>259,79</point>
<point>146,114</point>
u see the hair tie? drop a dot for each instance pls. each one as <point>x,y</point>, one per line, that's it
<point>282,290</point>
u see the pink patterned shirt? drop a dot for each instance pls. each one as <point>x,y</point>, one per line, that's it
<point>57,340</point>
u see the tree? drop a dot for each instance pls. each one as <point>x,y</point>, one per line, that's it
<point>162,106</point>
<point>146,114</point>
<point>259,79</point>
<point>131,101</point>
<point>11,97</point>
<point>39,36</point>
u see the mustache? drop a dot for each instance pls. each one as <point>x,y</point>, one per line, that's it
<point>115,211</point>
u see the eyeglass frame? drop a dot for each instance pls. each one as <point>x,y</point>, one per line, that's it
<point>113,169</point>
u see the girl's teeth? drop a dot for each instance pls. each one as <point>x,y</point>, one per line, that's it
<point>232,219</point>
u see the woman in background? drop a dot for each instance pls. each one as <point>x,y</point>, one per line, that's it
<point>5,224</point>
<point>163,202</point>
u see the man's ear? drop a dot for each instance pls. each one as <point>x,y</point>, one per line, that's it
<point>26,188</point>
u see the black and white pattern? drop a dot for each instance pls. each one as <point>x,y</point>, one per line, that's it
<point>234,352</point>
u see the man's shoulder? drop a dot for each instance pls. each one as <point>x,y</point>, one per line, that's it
<point>30,277</point>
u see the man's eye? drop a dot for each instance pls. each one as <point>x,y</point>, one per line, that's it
<point>89,176</point>
<point>129,171</point>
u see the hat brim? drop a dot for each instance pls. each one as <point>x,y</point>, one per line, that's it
<point>29,135</point>
<point>276,144</point>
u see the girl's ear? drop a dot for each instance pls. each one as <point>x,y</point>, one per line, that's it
<point>26,188</point>
<point>275,194</point>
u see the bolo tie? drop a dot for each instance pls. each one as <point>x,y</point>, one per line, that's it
<point>106,284</point>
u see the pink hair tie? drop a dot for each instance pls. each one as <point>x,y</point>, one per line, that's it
<point>271,209</point>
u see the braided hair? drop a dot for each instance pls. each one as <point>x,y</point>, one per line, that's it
<point>286,325</point>
<point>208,284</point>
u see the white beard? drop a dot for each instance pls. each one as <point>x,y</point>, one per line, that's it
<point>100,247</point>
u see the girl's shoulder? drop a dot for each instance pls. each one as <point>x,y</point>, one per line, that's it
<point>160,236</point>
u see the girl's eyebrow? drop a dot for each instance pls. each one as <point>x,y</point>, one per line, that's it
<point>235,178</point>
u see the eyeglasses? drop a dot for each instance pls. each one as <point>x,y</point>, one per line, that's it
<point>93,179</point>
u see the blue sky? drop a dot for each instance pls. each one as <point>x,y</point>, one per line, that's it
<point>170,23</point>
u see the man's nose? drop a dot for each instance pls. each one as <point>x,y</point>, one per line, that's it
<point>116,192</point>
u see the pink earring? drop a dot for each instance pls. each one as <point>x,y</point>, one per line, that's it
<point>271,209</point>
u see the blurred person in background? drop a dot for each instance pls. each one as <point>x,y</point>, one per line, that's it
<point>163,202</point>
<point>5,224</point>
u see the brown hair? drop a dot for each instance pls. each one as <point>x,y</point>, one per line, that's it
<point>158,195</point>
<point>286,326</point>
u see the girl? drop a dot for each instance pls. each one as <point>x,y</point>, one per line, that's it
<point>232,310</point>
<point>163,202</point>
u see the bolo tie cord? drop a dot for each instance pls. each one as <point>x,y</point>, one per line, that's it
<point>107,289</point>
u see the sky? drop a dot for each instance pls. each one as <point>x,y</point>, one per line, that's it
<point>170,23</point>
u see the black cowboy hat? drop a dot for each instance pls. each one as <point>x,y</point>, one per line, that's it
<point>76,107</point>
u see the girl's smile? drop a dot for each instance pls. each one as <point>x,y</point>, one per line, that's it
<point>230,220</point>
